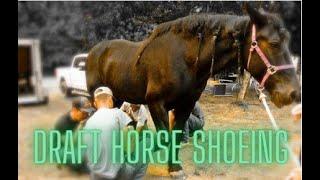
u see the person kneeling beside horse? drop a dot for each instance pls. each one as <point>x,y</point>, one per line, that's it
<point>194,122</point>
<point>109,119</point>
<point>73,120</point>
<point>138,113</point>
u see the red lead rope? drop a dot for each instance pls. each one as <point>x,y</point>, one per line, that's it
<point>271,69</point>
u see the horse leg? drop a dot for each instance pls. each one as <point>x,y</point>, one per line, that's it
<point>181,116</point>
<point>160,119</point>
<point>159,115</point>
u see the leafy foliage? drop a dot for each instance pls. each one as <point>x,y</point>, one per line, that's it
<point>67,28</point>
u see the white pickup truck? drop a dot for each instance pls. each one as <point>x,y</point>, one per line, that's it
<point>72,80</point>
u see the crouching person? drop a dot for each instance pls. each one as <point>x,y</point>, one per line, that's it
<point>73,120</point>
<point>108,120</point>
<point>195,122</point>
<point>138,113</point>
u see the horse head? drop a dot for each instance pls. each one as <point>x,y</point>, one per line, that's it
<point>266,50</point>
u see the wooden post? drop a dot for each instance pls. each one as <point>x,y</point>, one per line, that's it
<point>245,81</point>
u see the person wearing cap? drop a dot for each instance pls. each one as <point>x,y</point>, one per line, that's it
<point>80,110</point>
<point>73,120</point>
<point>138,113</point>
<point>109,119</point>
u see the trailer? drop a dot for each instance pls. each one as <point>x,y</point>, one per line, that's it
<point>30,87</point>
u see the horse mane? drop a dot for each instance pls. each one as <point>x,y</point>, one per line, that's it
<point>190,26</point>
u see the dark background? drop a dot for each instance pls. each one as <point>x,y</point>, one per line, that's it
<point>68,28</point>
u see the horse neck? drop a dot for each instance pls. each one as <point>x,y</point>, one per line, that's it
<point>225,49</point>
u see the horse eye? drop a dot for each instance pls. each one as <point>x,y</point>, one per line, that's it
<point>275,44</point>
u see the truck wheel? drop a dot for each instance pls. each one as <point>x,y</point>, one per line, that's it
<point>64,88</point>
<point>45,100</point>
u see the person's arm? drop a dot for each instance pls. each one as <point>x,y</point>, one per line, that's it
<point>126,108</point>
<point>142,119</point>
<point>124,122</point>
<point>140,128</point>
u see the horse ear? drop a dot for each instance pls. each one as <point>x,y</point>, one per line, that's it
<point>256,17</point>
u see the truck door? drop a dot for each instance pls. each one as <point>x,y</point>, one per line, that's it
<point>77,74</point>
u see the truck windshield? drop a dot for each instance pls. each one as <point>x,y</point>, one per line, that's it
<point>78,60</point>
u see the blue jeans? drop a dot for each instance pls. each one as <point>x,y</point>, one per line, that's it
<point>130,171</point>
<point>192,124</point>
<point>136,172</point>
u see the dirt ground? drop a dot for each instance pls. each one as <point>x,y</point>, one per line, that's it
<point>219,113</point>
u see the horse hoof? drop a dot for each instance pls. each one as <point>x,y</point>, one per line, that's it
<point>178,175</point>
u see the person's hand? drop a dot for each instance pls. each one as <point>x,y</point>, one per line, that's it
<point>130,113</point>
<point>126,109</point>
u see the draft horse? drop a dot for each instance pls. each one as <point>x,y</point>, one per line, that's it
<point>169,69</point>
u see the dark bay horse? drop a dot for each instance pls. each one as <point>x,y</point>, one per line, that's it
<point>170,69</point>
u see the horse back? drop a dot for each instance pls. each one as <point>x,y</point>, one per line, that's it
<point>111,63</point>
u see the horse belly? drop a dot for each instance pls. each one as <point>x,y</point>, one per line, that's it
<point>123,81</point>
